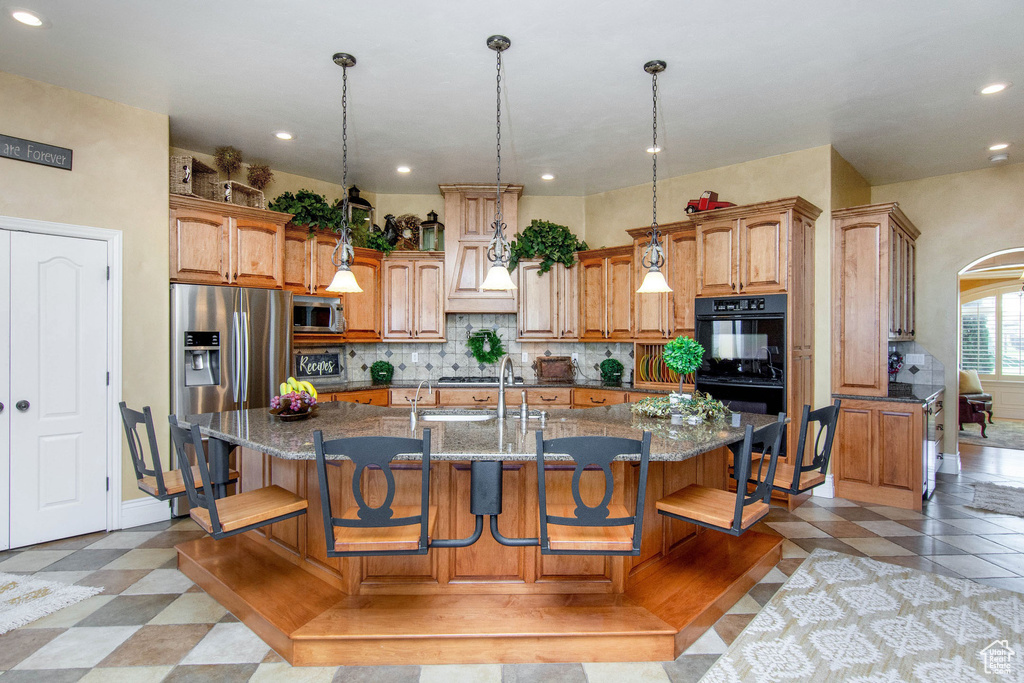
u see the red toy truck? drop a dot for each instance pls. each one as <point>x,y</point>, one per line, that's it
<point>707,202</point>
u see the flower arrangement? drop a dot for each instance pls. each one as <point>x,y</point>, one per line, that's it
<point>700,406</point>
<point>259,176</point>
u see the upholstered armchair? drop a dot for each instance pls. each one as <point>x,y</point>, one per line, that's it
<point>970,387</point>
<point>972,412</point>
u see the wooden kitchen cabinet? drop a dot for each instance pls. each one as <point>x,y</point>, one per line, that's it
<point>413,297</point>
<point>663,316</point>
<point>548,308</point>
<point>298,254</point>
<point>591,398</point>
<point>469,213</point>
<point>682,278</point>
<point>717,261</point>
<point>880,452</point>
<point>480,397</point>
<point>403,398</point>
<point>362,310</point>
<point>370,397</point>
<point>873,294</point>
<point>226,244</point>
<point>606,294</point>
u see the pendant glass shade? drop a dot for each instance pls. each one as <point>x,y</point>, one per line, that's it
<point>344,281</point>
<point>498,278</point>
<point>654,282</point>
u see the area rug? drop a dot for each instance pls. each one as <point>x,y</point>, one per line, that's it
<point>24,599</point>
<point>1001,434</point>
<point>1005,498</point>
<point>843,618</point>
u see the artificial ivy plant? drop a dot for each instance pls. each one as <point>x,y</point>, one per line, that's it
<point>552,242</point>
<point>309,209</point>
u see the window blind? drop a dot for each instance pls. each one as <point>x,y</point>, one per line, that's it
<point>1011,341</point>
<point>978,335</point>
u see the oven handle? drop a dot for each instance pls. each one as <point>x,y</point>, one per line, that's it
<point>741,316</point>
<point>727,383</point>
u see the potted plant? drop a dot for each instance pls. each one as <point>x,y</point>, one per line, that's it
<point>309,209</point>
<point>611,372</point>
<point>552,242</point>
<point>683,355</point>
<point>381,372</point>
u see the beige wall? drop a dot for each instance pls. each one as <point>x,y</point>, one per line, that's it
<point>119,182</point>
<point>962,218</point>
<point>848,186</point>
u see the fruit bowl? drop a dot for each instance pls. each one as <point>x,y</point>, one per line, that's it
<point>297,401</point>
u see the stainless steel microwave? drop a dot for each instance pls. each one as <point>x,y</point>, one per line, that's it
<point>317,314</point>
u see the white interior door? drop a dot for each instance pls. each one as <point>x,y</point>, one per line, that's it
<point>58,361</point>
<point>5,389</point>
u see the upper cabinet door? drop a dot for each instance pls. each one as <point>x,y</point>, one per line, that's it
<point>200,247</point>
<point>362,310</point>
<point>428,304</point>
<point>716,258</point>
<point>620,296</point>
<point>538,301</point>
<point>763,257</point>
<point>682,278</point>
<point>398,277</point>
<point>568,301</point>
<point>257,253</point>
<point>298,251</point>
<point>593,299</point>
<point>469,213</point>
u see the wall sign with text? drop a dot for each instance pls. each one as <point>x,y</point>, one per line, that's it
<point>35,152</point>
<point>317,365</point>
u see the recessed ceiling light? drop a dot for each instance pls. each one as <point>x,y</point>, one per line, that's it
<point>999,157</point>
<point>284,135</point>
<point>547,176</point>
<point>993,88</point>
<point>997,147</point>
<point>653,150</point>
<point>27,17</point>
<point>403,169</point>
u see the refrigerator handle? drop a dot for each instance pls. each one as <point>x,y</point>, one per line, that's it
<point>246,341</point>
<point>235,360</point>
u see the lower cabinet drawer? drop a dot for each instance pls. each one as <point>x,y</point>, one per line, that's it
<point>484,396</point>
<point>560,397</point>
<point>591,398</point>
<point>403,398</point>
<point>372,397</point>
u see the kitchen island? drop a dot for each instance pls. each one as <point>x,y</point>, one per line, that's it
<point>485,602</point>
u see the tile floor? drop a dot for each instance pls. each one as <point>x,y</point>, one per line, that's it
<point>151,623</point>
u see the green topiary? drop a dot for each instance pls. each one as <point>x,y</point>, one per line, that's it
<point>611,372</point>
<point>683,355</point>
<point>381,372</point>
<point>554,243</point>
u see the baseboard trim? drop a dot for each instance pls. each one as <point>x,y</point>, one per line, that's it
<point>826,490</point>
<point>142,511</point>
<point>949,463</point>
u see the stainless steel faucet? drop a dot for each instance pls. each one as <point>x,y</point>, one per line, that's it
<point>507,360</point>
<point>416,399</point>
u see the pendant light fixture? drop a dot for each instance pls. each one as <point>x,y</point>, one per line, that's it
<point>654,256</point>
<point>498,251</point>
<point>344,279</point>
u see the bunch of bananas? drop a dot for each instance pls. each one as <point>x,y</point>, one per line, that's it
<point>297,386</point>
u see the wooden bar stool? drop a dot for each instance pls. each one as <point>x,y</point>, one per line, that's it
<point>602,529</point>
<point>732,513</point>
<point>153,481</point>
<point>385,530</point>
<point>799,478</point>
<point>235,514</point>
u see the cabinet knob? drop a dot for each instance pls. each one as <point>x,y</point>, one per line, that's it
<point>227,275</point>
<point>22,405</point>
<point>911,333</point>
<point>899,330</point>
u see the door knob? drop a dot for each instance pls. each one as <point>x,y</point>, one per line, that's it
<point>1,407</point>
<point>22,405</point>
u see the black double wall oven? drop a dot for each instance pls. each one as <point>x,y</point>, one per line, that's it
<point>744,340</point>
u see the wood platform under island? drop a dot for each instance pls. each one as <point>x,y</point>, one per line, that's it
<point>486,602</point>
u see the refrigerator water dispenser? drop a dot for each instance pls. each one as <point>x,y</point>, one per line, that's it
<point>202,359</point>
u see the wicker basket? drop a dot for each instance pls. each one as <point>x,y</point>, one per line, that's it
<point>236,193</point>
<point>193,178</point>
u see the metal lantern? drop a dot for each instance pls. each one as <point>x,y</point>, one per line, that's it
<point>360,211</point>
<point>432,233</point>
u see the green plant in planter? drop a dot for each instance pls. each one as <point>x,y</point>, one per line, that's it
<point>611,372</point>
<point>309,209</point>
<point>683,355</point>
<point>552,242</point>
<point>381,372</point>
<point>376,240</point>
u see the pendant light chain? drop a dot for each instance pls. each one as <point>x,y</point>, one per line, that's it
<point>498,251</point>
<point>497,214</point>
<point>653,257</point>
<point>343,252</point>
<point>654,148</point>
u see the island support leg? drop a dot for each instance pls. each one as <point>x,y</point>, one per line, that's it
<point>219,454</point>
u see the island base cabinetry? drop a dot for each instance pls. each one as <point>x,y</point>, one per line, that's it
<point>485,602</point>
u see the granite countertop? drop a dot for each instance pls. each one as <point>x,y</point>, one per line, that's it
<point>494,439</point>
<point>355,385</point>
<point>902,393</point>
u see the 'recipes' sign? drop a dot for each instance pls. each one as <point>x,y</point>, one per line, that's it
<point>35,152</point>
<point>317,365</point>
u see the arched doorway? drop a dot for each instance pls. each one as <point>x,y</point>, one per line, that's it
<point>990,350</point>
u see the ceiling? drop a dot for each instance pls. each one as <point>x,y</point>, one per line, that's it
<point>890,84</point>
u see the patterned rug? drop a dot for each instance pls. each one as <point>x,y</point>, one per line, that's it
<point>843,618</point>
<point>24,599</point>
<point>1006,498</point>
<point>1001,434</point>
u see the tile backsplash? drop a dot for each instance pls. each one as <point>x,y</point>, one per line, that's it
<point>453,357</point>
<point>930,371</point>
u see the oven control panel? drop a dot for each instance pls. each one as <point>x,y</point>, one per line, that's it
<point>746,304</point>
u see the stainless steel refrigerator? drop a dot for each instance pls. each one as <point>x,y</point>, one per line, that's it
<point>230,349</point>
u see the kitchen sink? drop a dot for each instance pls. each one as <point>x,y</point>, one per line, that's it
<point>455,415</point>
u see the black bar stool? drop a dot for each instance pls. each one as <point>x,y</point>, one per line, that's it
<point>153,481</point>
<point>733,513</point>
<point>386,530</point>
<point>223,517</point>
<point>799,478</point>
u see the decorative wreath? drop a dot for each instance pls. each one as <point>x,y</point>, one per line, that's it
<point>486,346</point>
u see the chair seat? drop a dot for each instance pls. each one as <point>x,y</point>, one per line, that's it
<point>252,507</point>
<point>388,538</point>
<point>710,506</point>
<point>564,537</point>
<point>784,477</point>
<point>174,483</point>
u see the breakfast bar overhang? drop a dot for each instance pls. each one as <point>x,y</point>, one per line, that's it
<point>485,602</point>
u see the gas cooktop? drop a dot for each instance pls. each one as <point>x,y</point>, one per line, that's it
<point>475,381</point>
